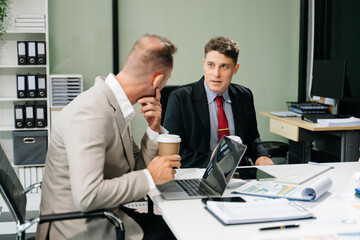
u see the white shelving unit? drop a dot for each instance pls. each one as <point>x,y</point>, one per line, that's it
<point>9,67</point>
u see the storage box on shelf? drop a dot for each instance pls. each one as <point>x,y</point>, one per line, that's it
<point>26,25</point>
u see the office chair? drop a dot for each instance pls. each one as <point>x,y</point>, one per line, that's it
<point>165,92</point>
<point>277,150</point>
<point>14,196</point>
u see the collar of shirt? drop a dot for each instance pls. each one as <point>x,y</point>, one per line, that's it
<point>211,95</point>
<point>125,105</point>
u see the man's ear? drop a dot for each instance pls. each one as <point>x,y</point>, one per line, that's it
<point>157,78</point>
<point>236,68</point>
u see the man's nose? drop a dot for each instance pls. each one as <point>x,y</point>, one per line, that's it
<point>216,72</point>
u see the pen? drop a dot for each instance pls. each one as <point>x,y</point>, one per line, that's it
<point>319,164</point>
<point>357,195</point>
<point>280,227</point>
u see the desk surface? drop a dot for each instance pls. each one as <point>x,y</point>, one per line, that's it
<point>189,220</point>
<point>308,125</point>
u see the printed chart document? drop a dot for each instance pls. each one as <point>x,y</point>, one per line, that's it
<point>261,211</point>
<point>280,190</point>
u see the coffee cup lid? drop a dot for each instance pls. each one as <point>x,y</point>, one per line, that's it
<point>170,138</point>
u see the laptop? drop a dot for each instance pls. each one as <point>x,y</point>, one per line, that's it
<point>217,175</point>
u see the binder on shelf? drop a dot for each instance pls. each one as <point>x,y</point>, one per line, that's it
<point>41,86</point>
<point>22,176</point>
<point>31,86</point>
<point>33,179</point>
<point>27,177</point>
<point>41,53</point>
<point>29,115</point>
<point>20,19</point>
<point>31,52</point>
<point>21,86</point>
<point>19,116</point>
<point>21,51</point>
<point>29,24</point>
<point>31,16</point>
<point>39,175</point>
<point>40,110</point>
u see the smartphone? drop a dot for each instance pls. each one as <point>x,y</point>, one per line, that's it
<point>252,173</point>
<point>223,199</point>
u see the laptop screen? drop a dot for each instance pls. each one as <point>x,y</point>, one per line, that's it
<point>223,164</point>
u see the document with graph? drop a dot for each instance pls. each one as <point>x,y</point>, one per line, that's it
<point>280,190</point>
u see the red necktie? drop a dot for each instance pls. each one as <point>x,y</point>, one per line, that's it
<point>223,126</point>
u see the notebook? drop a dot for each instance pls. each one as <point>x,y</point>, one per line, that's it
<point>216,177</point>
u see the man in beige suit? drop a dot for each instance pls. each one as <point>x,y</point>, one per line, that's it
<point>93,162</point>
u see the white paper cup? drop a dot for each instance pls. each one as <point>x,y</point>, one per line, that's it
<point>169,144</point>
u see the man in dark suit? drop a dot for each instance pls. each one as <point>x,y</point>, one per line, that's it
<point>192,110</point>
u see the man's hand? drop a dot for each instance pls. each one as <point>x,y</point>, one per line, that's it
<point>162,168</point>
<point>263,160</point>
<point>151,107</point>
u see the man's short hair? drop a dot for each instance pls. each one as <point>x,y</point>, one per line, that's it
<point>160,57</point>
<point>225,46</point>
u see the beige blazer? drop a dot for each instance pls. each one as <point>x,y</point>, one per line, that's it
<point>92,163</point>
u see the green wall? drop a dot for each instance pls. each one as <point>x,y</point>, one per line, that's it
<point>267,31</point>
<point>80,36</point>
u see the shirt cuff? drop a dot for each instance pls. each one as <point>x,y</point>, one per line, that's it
<point>150,180</point>
<point>154,135</point>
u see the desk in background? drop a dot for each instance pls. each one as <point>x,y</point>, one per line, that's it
<point>303,132</point>
<point>189,220</point>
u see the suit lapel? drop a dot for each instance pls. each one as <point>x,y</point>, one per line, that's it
<point>236,102</point>
<point>124,131</point>
<point>125,138</point>
<point>201,107</point>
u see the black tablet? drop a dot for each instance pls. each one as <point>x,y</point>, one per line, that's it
<point>252,173</point>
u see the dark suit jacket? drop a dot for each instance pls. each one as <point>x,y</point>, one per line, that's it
<point>187,115</point>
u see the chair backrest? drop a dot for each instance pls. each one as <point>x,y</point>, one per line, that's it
<point>165,93</point>
<point>11,189</point>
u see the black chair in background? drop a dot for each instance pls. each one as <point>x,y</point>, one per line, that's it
<point>165,93</point>
<point>277,150</point>
<point>14,196</point>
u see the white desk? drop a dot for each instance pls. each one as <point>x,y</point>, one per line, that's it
<point>336,211</point>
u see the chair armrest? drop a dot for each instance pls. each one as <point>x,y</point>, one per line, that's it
<point>32,186</point>
<point>111,216</point>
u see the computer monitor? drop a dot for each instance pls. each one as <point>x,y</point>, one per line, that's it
<point>329,78</point>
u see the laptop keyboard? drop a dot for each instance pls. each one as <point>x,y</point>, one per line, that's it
<point>193,187</point>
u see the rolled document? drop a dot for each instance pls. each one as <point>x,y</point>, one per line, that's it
<point>317,189</point>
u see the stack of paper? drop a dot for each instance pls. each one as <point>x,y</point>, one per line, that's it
<point>65,89</point>
<point>351,121</point>
<point>286,114</point>
<point>259,211</point>
<point>30,23</point>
